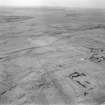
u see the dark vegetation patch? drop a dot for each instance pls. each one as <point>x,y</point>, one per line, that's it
<point>97,55</point>
<point>6,19</point>
<point>83,81</point>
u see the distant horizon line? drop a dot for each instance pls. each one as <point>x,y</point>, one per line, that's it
<point>59,7</point>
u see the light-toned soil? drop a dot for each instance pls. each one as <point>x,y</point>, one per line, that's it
<point>47,57</point>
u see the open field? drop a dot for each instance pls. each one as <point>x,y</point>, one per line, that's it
<point>52,56</point>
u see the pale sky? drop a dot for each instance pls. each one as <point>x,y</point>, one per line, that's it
<point>64,3</point>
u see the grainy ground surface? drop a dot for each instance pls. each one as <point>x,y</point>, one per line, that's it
<point>52,56</point>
